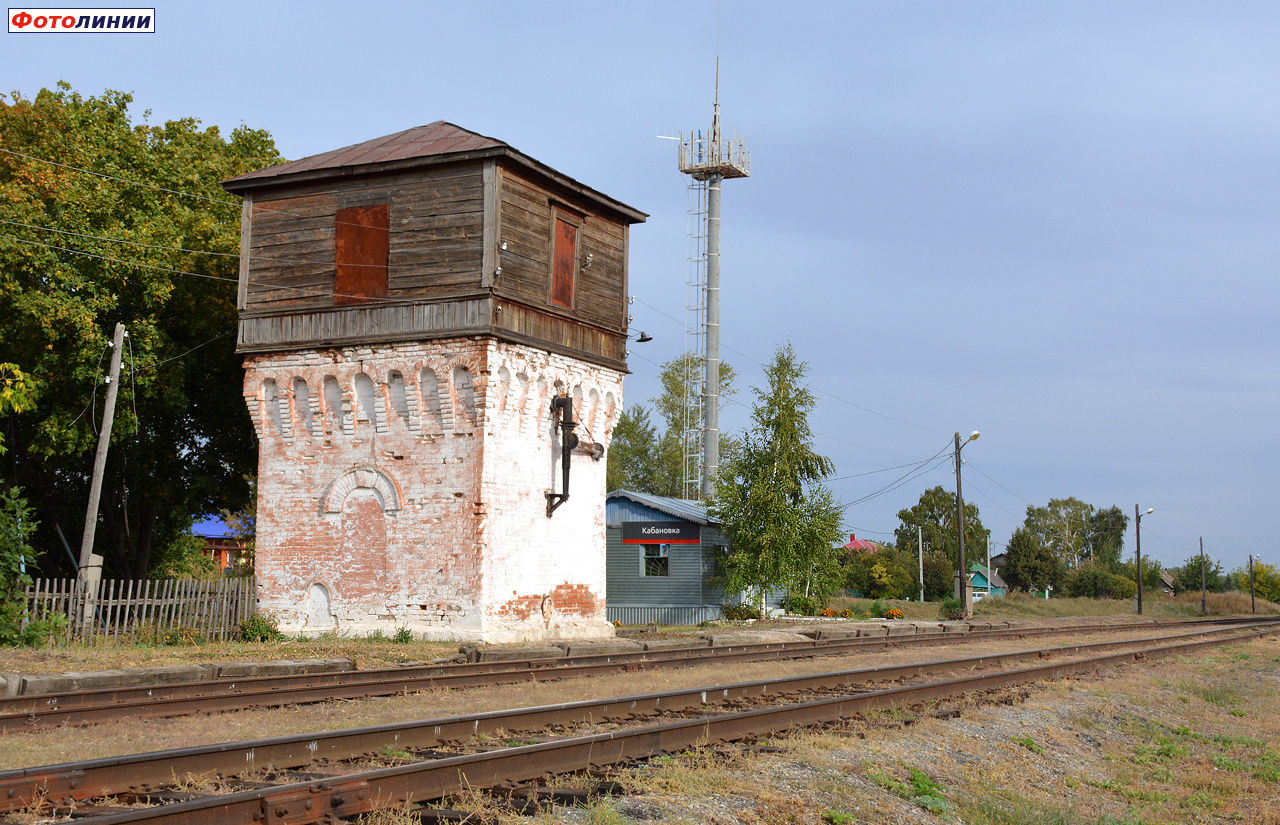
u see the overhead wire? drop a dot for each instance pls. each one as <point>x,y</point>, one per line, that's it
<point>816,389</point>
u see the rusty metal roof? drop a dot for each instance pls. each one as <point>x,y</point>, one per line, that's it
<point>434,139</point>
<point>422,145</point>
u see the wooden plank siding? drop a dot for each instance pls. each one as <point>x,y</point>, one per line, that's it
<point>447,274</point>
<point>436,229</point>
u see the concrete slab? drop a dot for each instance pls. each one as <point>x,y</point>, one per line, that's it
<point>753,637</point>
<point>827,634</point>
<point>895,629</point>
<point>872,630</point>
<point>590,648</point>
<point>285,667</point>
<point>669,644</point>
<point>955,627</point>
<point>927,627</point>
<point>509,654</point>
<point>10,683</point>
<point>94,679</point>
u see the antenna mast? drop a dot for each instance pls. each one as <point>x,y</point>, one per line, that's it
<point>708,159</point>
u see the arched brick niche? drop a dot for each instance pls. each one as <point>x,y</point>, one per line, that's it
<point>367,477</point>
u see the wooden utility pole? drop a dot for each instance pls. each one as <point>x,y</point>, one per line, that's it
<point>91,565</point>
<point>1253,602</point>
<point>1203,590</point>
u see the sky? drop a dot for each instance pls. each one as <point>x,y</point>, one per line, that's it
<point>1055,223</point>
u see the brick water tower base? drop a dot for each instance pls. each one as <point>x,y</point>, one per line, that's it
<point>404,486</point>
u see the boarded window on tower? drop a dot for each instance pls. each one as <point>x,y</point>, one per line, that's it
<point>362,244</point>
<point>564,259</point>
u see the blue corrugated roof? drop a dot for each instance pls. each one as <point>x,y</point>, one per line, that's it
<point>681,508</point>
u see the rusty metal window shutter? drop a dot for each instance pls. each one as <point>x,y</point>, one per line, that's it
<point>564,263</point>
<point>362,243</point>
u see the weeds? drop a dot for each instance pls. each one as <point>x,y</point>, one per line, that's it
<point>1028,743</point>
<point>920,789</point>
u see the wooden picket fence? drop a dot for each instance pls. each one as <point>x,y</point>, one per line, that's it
<point>152,608</point>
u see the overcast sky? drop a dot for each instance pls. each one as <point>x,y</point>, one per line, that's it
<point>1056,223</point>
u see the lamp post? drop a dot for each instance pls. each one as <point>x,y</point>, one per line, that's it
<point>1137,543</point>
<point>966,593</point>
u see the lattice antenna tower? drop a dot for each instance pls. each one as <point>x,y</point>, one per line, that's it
<point>708,159</point>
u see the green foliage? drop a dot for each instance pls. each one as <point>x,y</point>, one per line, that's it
<point>642,459</point>
<point>1028,743</point>
<point>1266,580</point>
<point>632,462</point>
<point>1150,575</point>
<point>1095,580</point>
<point>1074,532</point>
<point>886,573</point>
<point>935,516</point>
<point>403,636</point>
<point>921,789</point>
<point>939,580</point>
<point>1187,577</point>
<point>183,557</point>
<point>780,520</point>
<point>260,627</point>
<point>182,441</point>
<point>739,612</point>
<point>1029,565</point>
<point>16,527</point>
<point>951,609</point>
<point>803,605</point>
<point>17,393</point>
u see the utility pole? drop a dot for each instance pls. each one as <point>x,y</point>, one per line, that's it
<point>1137,543</point>
<point>100,460</point>
<point>90,569</point>
<point>1203,590</point>
<point>920,539</point>
<point>966,592</point>
<point>1253,602</point>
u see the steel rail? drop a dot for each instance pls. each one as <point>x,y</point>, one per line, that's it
<point>70,782</point>
<point>30,712</point>
<point>348,796</point>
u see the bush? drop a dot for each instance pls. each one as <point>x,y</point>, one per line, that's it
<point>893,613</point>
<point>803,605</point>
<point>878,609</point>
<point>1096,581</point>
<point>260,627</point>
<point>951,609</point>
<point>740,612</point>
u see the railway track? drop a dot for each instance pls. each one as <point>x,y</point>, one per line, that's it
<point>307,784</point>
<point>30,712</point>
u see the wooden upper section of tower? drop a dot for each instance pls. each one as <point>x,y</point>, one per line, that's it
<point>433,232</point>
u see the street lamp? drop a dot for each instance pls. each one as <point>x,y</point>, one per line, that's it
<point>1137,543</point>
<point>966,593</point>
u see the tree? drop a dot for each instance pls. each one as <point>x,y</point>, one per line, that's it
<point>1266,580</point>
<point>161,263</point>
<point>935,515</point>
<point>780,520</point>
<point>648,462</point>
<point>1187,577</point>
<point>1029,565</point>
<point>16,554</point>
<point>633,452</point>
<point>1151,571</point>
<point>1106,535</point>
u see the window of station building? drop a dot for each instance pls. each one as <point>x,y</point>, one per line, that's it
<point>362,244</point>
<point>565,228</point>
<point>655,560</point>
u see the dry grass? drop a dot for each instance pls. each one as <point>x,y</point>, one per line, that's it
<point>1193,739</point>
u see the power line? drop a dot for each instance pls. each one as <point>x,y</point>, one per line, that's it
<point>816,389</point>
<point>304,290</point>
<point>273,259</point>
